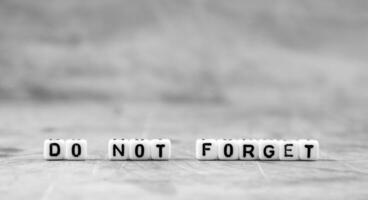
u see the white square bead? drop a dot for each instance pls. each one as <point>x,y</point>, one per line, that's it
<point>139,149</point>
<point>160,149</point>
<point>118,149</point>
<point>248,149</point>
<point>54,149</point>
<point>308,149</point>
<point>289,150</point>
<point>228,149</point>
<point>269,149</point>
<point>76,149</point>
<point>206,149</point>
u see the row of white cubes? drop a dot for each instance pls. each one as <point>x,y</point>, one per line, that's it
<point>118,149</point>
<point>206,149</point>
<point>250,149</point>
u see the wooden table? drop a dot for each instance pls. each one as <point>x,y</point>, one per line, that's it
<point>342,172</point>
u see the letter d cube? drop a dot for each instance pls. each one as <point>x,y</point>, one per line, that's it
<point>54,149</point>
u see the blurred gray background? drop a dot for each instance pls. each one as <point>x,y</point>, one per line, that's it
<point>231,52</point>
<point>183,69</point>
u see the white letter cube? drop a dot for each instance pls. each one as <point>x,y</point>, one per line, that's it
<point>228,149</point>
<point>76,149</point>
<point>139,149</point>
<point>248,149</point>
<point>308,149</point>
<point>118,149</point>
<point>54,149</point>
<point>289,150</point>
<point>269,149</point>
<point>160,149</point>
<point>206,149</point>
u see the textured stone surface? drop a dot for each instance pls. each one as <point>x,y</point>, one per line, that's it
<point>341,172</point>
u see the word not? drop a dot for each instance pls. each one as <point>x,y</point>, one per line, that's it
<point>139,149</point>
<point>118,149</point>
<point>248,149</point>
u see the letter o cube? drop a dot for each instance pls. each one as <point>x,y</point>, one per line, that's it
<point>228,149</point>
<point>140,149</point>
<point>76,149</point>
